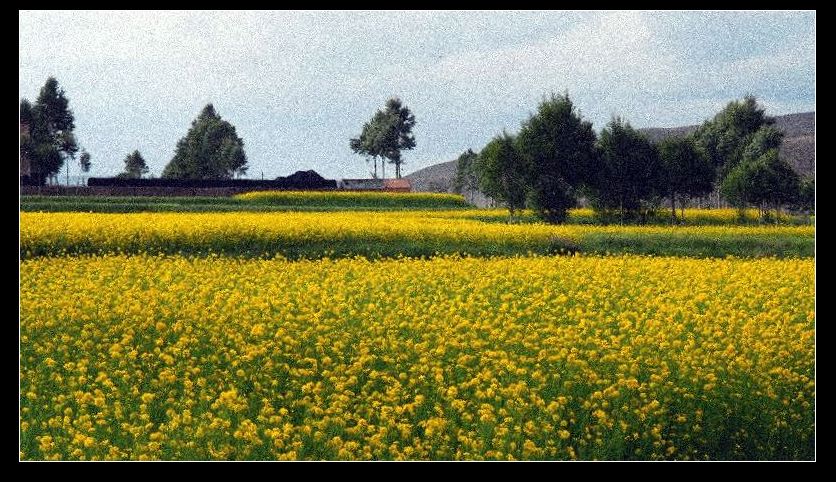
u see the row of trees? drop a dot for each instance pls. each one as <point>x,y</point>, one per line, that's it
<point>211,148</point>
<point>387,134</point>
<point>557,159</point>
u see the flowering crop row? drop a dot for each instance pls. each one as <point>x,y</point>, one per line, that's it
<point>410,233</point>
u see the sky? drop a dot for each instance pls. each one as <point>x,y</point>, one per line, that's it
<point>298,85</point>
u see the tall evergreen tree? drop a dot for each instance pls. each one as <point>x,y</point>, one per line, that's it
<point>210,150</point>
<point>135,166</point>
<point>50,125</point>
<point>765,182</point>
<point>466,180</point>
<point>724,138</point>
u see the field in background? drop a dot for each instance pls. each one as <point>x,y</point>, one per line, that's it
<point>252,201</point>
<point>381,234</point>
<point>269,201</point>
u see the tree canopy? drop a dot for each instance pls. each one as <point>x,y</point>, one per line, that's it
<point>210,150</point>
<point>501,172</point>
<point>466,180</point>
<point>135,166</point>
<point>685,170</point>
<point>47,139</point>
<point>627,171</point>
<point>724,138</point>
<point>387,134</point>
<point>767,181</point>
<point>558,147</point>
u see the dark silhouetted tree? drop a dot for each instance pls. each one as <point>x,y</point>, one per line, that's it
<point>686,171</point>
<point>558,147</point>
<point>387,134</point>
<point>397,133</point>
<point>724,138</point>
<point>84,161</point>
<point>766,182</point>
<point>627,173</point>
<point>135,166</point>
<point>210,150</point>
<point>50,125</point>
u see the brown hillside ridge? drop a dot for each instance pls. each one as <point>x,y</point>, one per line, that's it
<point>799,148</point>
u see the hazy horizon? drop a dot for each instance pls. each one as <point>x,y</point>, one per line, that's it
<point>298,85</point>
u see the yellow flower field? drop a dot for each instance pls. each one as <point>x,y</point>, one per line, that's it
<point>573,357</point>
<point>409,233</point>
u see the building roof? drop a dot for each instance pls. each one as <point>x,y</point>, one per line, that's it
<point>396,184</point>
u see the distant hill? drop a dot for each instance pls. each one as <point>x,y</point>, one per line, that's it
<point>435,178</point>
<point>439,178</point>
<point>799,148</point>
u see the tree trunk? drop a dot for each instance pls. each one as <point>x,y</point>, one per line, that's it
<point>621,209</point>
<point>673,208</point>
<point>375,167</point>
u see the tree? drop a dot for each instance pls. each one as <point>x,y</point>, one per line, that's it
<point>501,171</point>
<point>466,180</point>
<point>558,146</point>
<point>767,181</point>
<point>627,171</point>
<point>369,143</point>
<point>135,166</point>
<point>767,137</point>
<point>211,149</point>
<point>84,161</point>
<point>27,144</point>
<point>49,138</point>
<point>397,132</point>
<point>807,195</point>
<point>686,172</point>
<point>782,182</point>
<point>386,135</point>
<point>724,138</point>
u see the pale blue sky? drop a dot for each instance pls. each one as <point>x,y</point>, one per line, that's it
<point>298,85</point>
